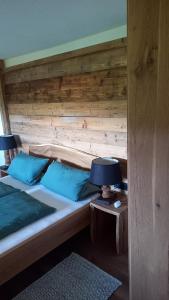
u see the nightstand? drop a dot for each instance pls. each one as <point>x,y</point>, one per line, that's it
<point>121,215</point>
<point>3,171</point>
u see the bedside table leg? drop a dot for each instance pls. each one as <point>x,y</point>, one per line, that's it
<point>119,234</point>
<point>93,224</point>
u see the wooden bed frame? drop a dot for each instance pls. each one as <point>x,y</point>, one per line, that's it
<point>26,253</point>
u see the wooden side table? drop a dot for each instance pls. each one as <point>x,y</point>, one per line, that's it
<point>121,214</point>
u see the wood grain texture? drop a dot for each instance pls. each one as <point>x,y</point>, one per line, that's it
<point>105,60</point>
<point>3,106</point>
<point>148,126</point>
<point>101,109</point>
<point>86,146</point>
<point>75,53</point>
<point>61,153</point>
<point>4,110</point>
<point>97,85</point>
<point>71,122</point>
<point>77,100</point>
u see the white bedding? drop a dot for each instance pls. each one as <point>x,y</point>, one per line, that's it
<point>15,183</point>
<point>63,205</point>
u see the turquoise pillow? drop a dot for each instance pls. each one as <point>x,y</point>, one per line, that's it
<point>66,181</point>
<point>27,168</point>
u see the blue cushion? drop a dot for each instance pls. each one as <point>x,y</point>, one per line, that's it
<point>27,168</point>
<point>66,181</point>
<point>89,189</point>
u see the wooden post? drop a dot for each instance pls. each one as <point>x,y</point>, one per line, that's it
<point>3,109</point>
<point>148,148</point>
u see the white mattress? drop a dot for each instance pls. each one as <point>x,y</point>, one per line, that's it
<point>63,205</point>
<point>15,183</point>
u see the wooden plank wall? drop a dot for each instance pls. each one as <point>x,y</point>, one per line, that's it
<point>77,99</point>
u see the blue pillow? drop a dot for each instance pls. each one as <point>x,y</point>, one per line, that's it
<point>89,189</point>
<point>66,181</point>
<point>27,168</point>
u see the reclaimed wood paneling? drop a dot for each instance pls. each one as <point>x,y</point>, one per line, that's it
<point>148,148</point>
<point>77,100</point>
<point>100,78</point>
<point>107,124</point>
<point>105,60</point>
<point>101,109</point>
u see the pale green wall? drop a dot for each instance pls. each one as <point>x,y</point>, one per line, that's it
<point>98,38</point>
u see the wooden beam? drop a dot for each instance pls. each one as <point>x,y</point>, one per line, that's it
<point>148,144</point>
<point>3,107</point>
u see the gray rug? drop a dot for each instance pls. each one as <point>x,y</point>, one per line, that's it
<point>74,278</point>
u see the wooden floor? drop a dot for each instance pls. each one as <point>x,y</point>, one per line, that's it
<point>101,254</point>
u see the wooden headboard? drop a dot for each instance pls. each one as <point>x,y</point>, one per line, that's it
<point>64,154</point>
<point>70,156</point>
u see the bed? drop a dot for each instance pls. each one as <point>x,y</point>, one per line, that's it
<point>15,183</point>
<point>22,248</point>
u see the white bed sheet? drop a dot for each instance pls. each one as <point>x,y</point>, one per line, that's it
<point>64,208</point>
<point>16,183</point>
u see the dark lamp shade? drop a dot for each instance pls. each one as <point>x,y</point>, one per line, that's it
<point>105,171</point>
<point>7,142</point>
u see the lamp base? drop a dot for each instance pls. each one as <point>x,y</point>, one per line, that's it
<point>107,197</point>
<point>107,193</point>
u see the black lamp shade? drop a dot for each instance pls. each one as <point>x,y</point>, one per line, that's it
<point>7,142</point>
<point>105,171</point>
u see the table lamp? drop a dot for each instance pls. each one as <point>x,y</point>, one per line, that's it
<point>7,142</point>
<point>105,172</point>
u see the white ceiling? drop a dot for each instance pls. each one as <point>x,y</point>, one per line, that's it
<point>32,25</point>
